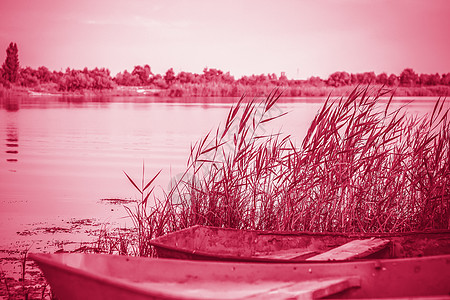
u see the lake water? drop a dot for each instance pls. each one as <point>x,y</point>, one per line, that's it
<point>59,157</point>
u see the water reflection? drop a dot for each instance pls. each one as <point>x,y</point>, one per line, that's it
<point>10,104</point>
<point>84,99</point>
<point>12,144</point>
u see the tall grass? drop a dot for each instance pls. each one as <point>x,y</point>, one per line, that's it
<point>365,168</point>
<point>362,167</point>
<point>231,173</point>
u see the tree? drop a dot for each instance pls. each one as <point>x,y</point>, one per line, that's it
<point>185,77</point>
<point>159,81</point>
<point>170,76</point>
<point>11,65</point>
<point>44,74</point>
<point>283,79</point>
<point>445,79</point>
<point>210,75</point>
<point>369,78</point>
<point>339,79</point>
<point>429,79</point>
<point>392,80</point>
<point>273,78</point>
<point>382,78</point>
<point>315,81</point>
<point>126,78</point>
<point>28,77</point>
<point>408,77</point>
<point>143,73</point>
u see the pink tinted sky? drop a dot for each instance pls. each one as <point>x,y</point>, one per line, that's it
<point>303,38</point>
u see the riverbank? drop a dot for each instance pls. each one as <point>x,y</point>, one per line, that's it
<point>215,90</point>
<point>20,277</point>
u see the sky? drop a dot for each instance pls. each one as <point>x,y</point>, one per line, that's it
<point>302,38</point>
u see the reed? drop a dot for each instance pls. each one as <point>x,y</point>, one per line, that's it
<point>362,167</point>
<point>143,220</point>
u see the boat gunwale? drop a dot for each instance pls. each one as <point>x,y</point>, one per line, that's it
<point>129,285</point>
<point>91,275</point>
<point>377,261</point>
<point>195,254</point>
<point>311,233</point>
<point>223,257</point>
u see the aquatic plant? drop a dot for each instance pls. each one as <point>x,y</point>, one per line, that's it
<point>362,167</point>
<point>142,219</point>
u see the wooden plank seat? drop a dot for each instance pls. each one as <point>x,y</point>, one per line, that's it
<point>290,254</point>
<point>309,289</point>
<point>352,250</point>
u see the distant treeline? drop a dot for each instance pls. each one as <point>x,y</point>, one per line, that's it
<point>212,82</point>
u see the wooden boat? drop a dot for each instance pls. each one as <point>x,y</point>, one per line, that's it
<point>220,244</point>
<point>101,276</point>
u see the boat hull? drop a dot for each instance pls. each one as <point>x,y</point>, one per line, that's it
<point>221,244</point>
<point>100,276</point>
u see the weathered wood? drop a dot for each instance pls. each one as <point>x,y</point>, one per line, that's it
<point>352,250</point>
<point>226,244</point>
<point>290,254</point>
<point>102,277</point>
<point>310,289</point>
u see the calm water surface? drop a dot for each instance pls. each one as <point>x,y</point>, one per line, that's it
<point>59,158</point>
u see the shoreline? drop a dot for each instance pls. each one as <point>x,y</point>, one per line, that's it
<point>21,278</point>
<point>207,91</point>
